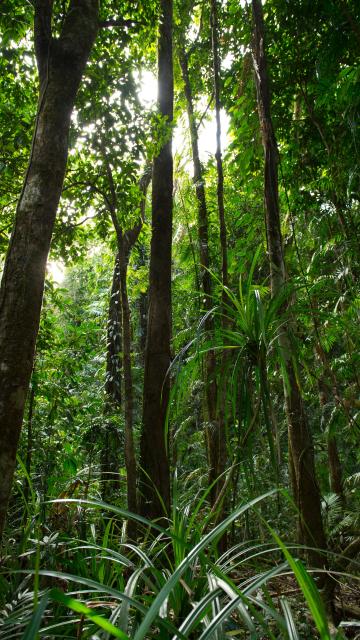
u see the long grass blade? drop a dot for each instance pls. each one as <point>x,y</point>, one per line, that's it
<point>207,539</point>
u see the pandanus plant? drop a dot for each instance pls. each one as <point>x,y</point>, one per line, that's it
<point>171,585</point>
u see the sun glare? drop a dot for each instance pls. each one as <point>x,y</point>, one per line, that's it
<point>207,129</point>
<point>148,88</point>
<point>56,269</point>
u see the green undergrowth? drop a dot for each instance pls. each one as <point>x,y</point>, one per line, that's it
<point>174,583</point>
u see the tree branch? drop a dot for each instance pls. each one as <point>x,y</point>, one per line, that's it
<point>80,28</point>
<point>205,112</point>
<point>131,235</point>
<point>73,225</point>
<point>92,187</point>
<point>106,24</point>
<point>42,34</point>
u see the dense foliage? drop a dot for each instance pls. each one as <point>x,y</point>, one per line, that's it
<point>227,559</point>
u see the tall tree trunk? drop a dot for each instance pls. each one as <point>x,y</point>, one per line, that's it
<point>335,469</point>
<point>199,184</point>
<point>130,458</point>
<point>154,476</point>
<point>203,241</point>
<point>301,450</point>
<point>143,298</point>
<point>61,63</point>
<point>218,440</point>
<point>143,310</point>
<point>218,152</point>
<point>125,242</point>
<point>114,341</point>
<point>110,454</point>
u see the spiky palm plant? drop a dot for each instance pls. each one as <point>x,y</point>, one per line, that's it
<point>171,585</point>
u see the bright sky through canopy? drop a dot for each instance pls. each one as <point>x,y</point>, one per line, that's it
<point>207,143</point>
<point>207,130</point>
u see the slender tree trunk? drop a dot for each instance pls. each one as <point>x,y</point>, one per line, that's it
<point>125,242</point>
<point>30,439</point>
<point>130,458</point>
<point>114,340</point>
<point>301,450</point>
<point>143,311</point>
<point>335,469</point>
<point>199,183</point>
<point>61,63</point>
<point>218,440</point>
<point>212,431</point>
<point>29,443</point>
<point>218,153</point>
<point>336,481</point>
<point>143,298</point>
<point>154,477</point>
<point>110,454</point>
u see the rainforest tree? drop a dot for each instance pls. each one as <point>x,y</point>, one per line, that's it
<point>61,62</point>
<point>155,477</point>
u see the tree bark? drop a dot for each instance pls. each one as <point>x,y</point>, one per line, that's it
<point>110,454</point>
<point>114,340</point>
<point>212,431</point>
<point>154,472</point>
<point>125,242</point>
<point>301,450</point>
<point>218,452</point>
<point>61,64</point>
<point>130,457</point>
<point>30,438</point>
<point>143,311</point>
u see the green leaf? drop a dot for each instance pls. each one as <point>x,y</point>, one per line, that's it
<point>176,575</point>
<point>309,589</point>
<point>79,607</point>
<point>32,629</point>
